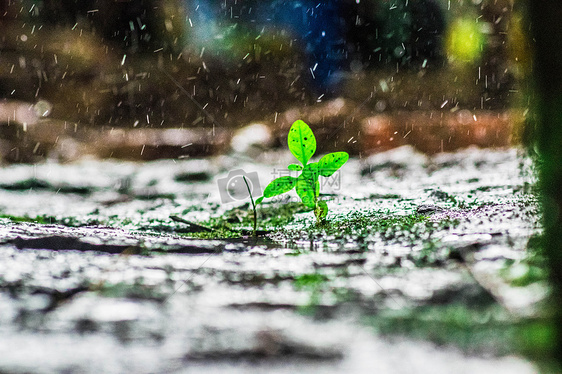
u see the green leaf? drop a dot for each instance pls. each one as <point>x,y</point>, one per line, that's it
<point>305,190</point>
<point>279,186</point>
<point>259,200</point>
<point>332,162</point>
<point>295,167</point>
<point>302,142</point>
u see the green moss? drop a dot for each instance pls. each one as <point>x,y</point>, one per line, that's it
<point>39,184</point>
<point>384,197</point>
<point>79,190</point>
<point>27,184</point>
<point>316,285</point>
<point>220,233</point>
<point>269,215</point>
<point>487,329</point>
<point>136,290</point>
<point>537,338</point>
<point>531,269</point>
<point>431,254</point>
<point>309,281</point>
<point>238,222</point>
<point>51,220</point>
<point>361,225</point>
<point>530,274</point>
<point>476,330</point>
<point>294,253</point>
<point>69,221</point>
<point>22,219</point>
<point>454,201</point>
<point>153,196</point>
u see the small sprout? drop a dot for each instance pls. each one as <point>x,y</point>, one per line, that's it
<point>302,145</point>
<point>253,206</point>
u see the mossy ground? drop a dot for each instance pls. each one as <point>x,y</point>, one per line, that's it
<point>395,255</point>
<point>474,329</point>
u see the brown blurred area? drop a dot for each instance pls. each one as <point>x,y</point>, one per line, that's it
<point>120,74</point>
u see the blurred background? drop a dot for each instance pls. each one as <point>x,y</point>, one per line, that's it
<point>148,79</point>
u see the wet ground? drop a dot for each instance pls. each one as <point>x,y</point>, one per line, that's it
<point>421,268</point>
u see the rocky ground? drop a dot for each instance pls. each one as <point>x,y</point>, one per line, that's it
<point>422,268</point>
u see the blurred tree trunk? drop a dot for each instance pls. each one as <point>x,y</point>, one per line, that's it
<point>546,17</point>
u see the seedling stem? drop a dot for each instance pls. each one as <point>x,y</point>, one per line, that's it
<point>253,206</point>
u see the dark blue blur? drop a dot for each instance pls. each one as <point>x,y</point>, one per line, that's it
<point>317,26</point>
<point>331,34</point>
<point>320,28</point>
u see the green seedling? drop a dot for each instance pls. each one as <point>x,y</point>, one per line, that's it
<point>302,145</point>
<point>253,207</point>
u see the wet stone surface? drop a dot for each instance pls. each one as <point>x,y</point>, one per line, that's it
<point>414,271</point>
